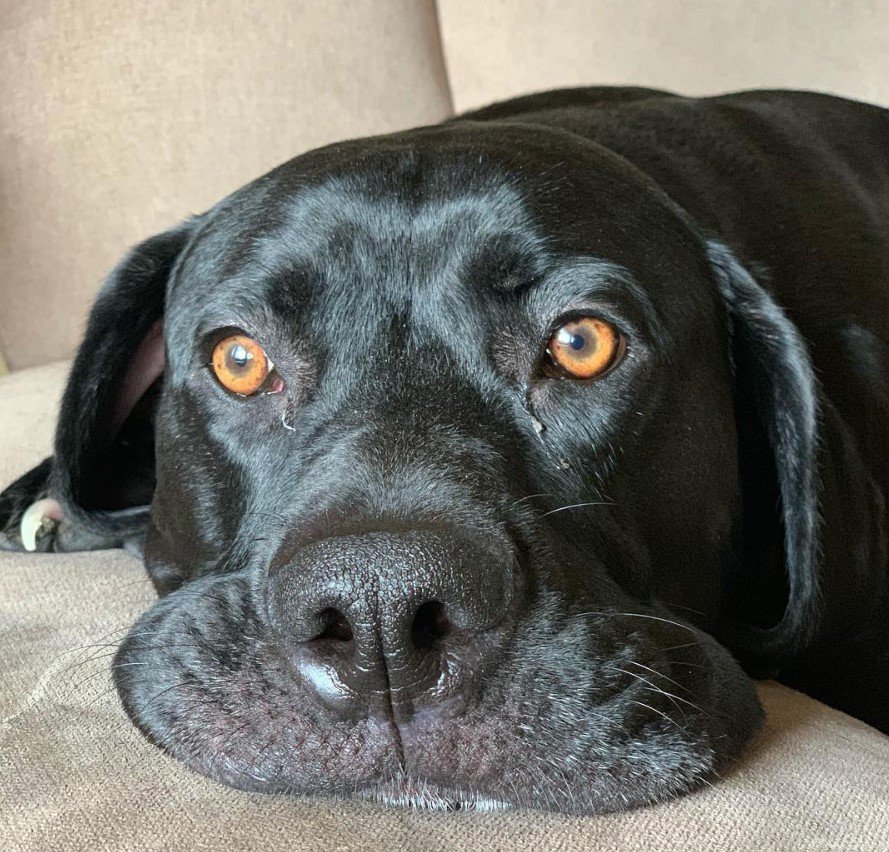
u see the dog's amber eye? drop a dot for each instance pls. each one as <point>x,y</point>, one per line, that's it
<point>584,348</point>
<point>241,364</point>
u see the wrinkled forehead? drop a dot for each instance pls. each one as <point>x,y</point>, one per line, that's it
<point>434,212</point>
<point>390,242</point>
<point>369,220</point>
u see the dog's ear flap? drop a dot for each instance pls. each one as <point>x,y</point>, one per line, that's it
<point>96,489</point>
<point>773,594</point>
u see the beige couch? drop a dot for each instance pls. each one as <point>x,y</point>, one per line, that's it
<point>117,119</point>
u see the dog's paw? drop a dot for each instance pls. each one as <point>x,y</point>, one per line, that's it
<point>33,521</point>
<point>39,524</point>
<point>27,514</point>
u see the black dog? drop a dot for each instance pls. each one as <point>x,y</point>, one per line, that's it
<point>468,440</point>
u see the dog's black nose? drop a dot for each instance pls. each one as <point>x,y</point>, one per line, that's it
<point>389,622</point>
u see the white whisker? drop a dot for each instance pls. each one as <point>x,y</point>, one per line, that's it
<point>577,506</point>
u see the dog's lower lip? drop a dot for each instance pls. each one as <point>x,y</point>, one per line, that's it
<point>418,794</point>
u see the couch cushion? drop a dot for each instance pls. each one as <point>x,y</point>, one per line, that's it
<point>75,774</point>
<point>502,48</point>
<point>118,119</point>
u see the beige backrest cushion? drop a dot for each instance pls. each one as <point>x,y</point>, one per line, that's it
<point>119,118</point>
<point>498,48</point>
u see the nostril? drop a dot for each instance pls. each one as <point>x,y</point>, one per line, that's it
<point>430,624</point>
<point>336,626</point>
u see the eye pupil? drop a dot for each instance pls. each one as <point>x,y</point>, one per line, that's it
<point>239,355</point>
<point>575,341</point>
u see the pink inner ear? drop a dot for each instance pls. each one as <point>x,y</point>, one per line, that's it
<point>144,369</point>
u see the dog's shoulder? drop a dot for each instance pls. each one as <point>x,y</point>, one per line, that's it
<point>660,105</point>
<point>578,98</point>
<point>757,129</point>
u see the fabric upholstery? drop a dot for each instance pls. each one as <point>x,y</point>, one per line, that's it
<point>501,48</point>
<point>75,774</point>
<point>117,119</point>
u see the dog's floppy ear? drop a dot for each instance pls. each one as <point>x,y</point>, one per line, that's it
<point>96,489</point>
<point>773,593</point>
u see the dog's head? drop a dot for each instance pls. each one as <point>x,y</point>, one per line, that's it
<point>441,474</point>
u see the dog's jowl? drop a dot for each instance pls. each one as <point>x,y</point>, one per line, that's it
<point>482,465</point>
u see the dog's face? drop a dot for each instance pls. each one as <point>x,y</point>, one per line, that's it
<point>448,478</point>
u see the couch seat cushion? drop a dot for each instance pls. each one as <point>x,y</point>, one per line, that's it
<point>75,774</point>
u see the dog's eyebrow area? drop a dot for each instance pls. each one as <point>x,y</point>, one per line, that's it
<point>587,284</point>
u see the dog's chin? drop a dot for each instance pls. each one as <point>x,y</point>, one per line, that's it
<point>416,794</point>
<point>587,713</point>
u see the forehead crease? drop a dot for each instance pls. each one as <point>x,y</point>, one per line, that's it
<point>347,222</point>
<point>378,253</point>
